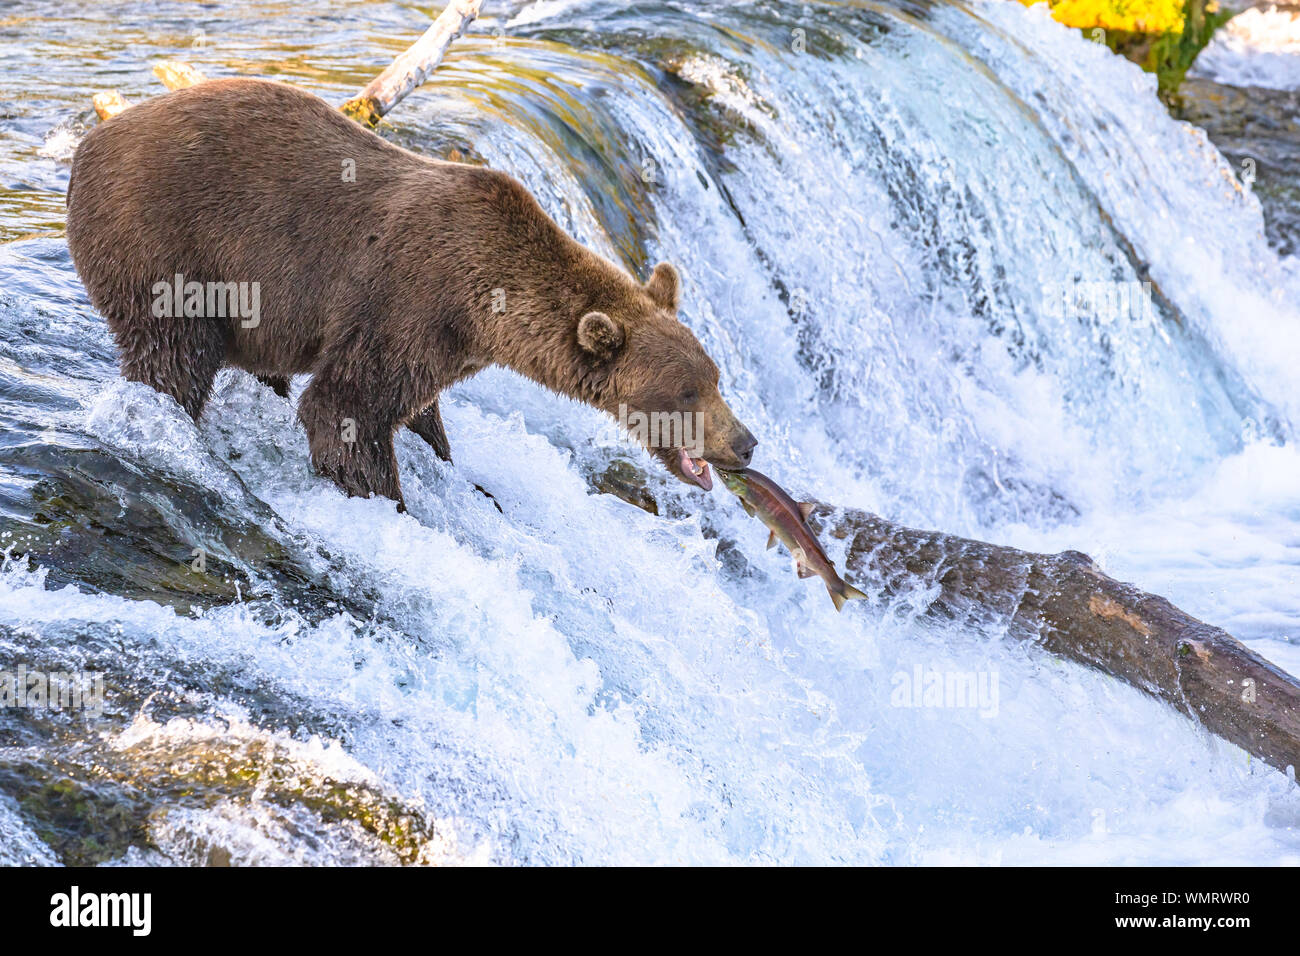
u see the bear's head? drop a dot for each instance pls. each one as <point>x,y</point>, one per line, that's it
<point>660,383</point>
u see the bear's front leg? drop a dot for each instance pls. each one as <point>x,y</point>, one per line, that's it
<point>351,439</point>
<point>276,383</point>
<point>428,425</point>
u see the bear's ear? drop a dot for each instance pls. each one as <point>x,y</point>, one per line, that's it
<point>599,335</point>
<point>664,287</point>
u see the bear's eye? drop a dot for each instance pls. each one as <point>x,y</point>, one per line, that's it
<point>690,396</point>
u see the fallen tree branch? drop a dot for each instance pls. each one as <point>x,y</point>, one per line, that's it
<point>413,67</point>
<point>1064,603</point>
<point>1067,605</point>
<point>381,94</point>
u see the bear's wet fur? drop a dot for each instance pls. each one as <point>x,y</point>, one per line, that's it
<point>386,275</point>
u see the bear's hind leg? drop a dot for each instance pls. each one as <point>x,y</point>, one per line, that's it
<point>428,425</point>
<point>179,357</point>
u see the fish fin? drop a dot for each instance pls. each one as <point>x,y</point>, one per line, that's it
<point>849,593</point>
<point>749,509</point>
<point>803,572</point>
<point>806,508</point>
<point>771,539</point>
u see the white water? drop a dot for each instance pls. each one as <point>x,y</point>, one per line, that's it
<point>577,681</point>
<point>1257,47</point>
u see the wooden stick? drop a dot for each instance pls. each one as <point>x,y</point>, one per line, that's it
<point>413,67</point>
<point>109,104</point>
<point>1067,605</point>
<point>176,75</point>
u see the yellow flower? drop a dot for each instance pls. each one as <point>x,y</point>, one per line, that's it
<point>1129,16</point>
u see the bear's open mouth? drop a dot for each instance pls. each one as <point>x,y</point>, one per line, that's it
<point>696,469</point>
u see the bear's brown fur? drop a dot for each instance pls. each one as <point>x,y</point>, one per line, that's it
<point>387,285</point>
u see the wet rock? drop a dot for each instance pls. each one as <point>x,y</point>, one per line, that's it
<point>1258,131</point>
<point>97,521</point>
<point>91,803</point>
<point>623,479</point>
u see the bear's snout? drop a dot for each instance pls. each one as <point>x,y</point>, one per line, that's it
<point>743,445</point>
<point>736,451</point>
<point>728,444</point>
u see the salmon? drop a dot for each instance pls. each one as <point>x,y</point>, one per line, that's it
<point>787,522</point>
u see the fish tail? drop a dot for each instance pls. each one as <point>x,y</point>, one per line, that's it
<point>846,592</point>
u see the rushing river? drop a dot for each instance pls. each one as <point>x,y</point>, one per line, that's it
<point>957,265</point>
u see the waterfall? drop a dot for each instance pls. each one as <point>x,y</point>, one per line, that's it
<point>956,265</point>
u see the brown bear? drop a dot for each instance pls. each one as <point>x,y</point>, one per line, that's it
<point>247,223</point>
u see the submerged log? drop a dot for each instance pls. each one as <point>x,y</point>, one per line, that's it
<point>413,67</point>
<point>1065,603</point>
